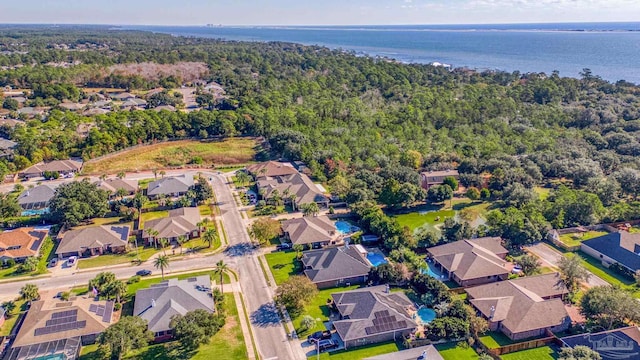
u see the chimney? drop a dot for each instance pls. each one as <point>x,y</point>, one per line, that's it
<point>493,311</point>
<point>153,302</point>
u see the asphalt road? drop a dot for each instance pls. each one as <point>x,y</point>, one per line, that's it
<point>552,257</point>
<point>268,332</point>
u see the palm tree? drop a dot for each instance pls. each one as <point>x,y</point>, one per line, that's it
<point>310,209</point>
<point>117,289</point>
<point>155,173</point>
<point>139,200</point>
<point>121,175</point>
<point>210,236</point>
<point>164,242</point>
<point>9,306</point>
<point>242,177</point>
<point>162,173</point>
<point>221,268</point>
<point>181,240</point>
<point>161,262</point>
<point>153,233</point>
<point>30,292</point>
<point>293,198</point>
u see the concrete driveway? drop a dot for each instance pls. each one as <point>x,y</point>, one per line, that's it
<point>551,257</point>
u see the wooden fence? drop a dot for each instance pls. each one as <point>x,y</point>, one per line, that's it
<point>525,345</point>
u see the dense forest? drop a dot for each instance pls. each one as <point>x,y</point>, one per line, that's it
<point>366,126</point>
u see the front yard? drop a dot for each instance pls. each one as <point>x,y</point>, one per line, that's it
<point>116,259</point>
<point>228,343</point>
<point>10,321</point>
<point>361,352</point>
<point>283,264</point>
<point>318,309</point>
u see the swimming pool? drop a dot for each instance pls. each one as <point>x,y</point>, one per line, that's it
<point>376,259</point>
<point>35,212</point>
<point>432,271</point>
<point>346,228</point>
<point>426,315</point>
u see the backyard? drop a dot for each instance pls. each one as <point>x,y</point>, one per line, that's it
<point>451,351</point>
<point>176,153</point>
<point>574,239</point>
<point>541,353</point>
<point>494,340</point>
<point>283,265</point>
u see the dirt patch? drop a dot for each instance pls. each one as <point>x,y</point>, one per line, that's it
<point>187,71</point>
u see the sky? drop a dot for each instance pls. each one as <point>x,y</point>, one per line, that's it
<point>315,12</point>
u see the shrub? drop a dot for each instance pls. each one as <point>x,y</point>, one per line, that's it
<point>117,306</point>
<point>134,279</point>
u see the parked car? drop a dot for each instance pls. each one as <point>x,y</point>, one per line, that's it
<point>285,246</point>
<point>144,272</point>
<point>53,262</point>
<point>72,260</point>
<point>326,345</point>
<point>319,335</point>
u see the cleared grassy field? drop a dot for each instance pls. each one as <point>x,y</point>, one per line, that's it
<point>175,153</point>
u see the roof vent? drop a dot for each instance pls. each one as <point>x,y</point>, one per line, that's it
<point>492,312</point>
<point>153,302</point>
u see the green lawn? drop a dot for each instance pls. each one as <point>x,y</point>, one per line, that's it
<point>361,352</point>
<point>574,239</point>
<point>450,351</point>
<point>541,353</point>
<point>144,183</point>
<point>282,265</point>
<point>318,309</point>
<point>10,321</point>
<point>613,278</point>
<point>105,221</point>
<point>116,259</point>
<point>494,340</point>
<point>151,215</point>
<point>228,343</point>
<point>205,209</point>
<point>425,217</point>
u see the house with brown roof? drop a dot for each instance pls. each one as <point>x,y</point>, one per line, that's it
<point>63,167</point>
<point>472,262</point>
<point>372,315</point>
<point>94,240</point>
<point>55,329</point>
<point>113,185</point>
<point>270,169</point>
<point>180,222</point>
<point>432,178</point>
<point>21,243</point>
<point>336,266</point>
<point>296,187</point>
<point>523,308</point>
<point>619,247</point>
<point>314,231</point>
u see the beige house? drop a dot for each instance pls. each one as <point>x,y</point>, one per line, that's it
<point>21,243</point>
<point>472,262</point>
<point>523,308</point>
<point>94,240</point>
<point>55,329</point>
<point>180,222</point>
<point>112,186</point>
<point>314,231</point>
<point>63,167</point>
<point>432,178</point>
<point>270,169</point>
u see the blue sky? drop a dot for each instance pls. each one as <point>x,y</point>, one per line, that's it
<point>315,12</point>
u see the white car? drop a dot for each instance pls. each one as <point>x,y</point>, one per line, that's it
<point>72,260</point>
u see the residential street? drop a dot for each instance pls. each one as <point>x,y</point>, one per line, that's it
<point>269,334</point>
<point>552,257</point>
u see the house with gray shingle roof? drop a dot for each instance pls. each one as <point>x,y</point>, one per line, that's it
<point>472,262</point>
<point>172,186</point>
<point>180,222</point>
<point>297,184</point>
<point>618,344</point>
<point>315,231</point>
<point>619,247</point>
<point>62,167</point>
<point>158,303</point>
<point>94,240</point>
<point>372,315</point>
<point>337,266</point>
<point>112,185</point>
<point>37,197</point>
<point>6,147</point>
<point>523,308</point>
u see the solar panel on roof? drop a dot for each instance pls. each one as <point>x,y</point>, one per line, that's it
<point>107,314</point>
<point>100,311</point>
<point>93,308</point>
